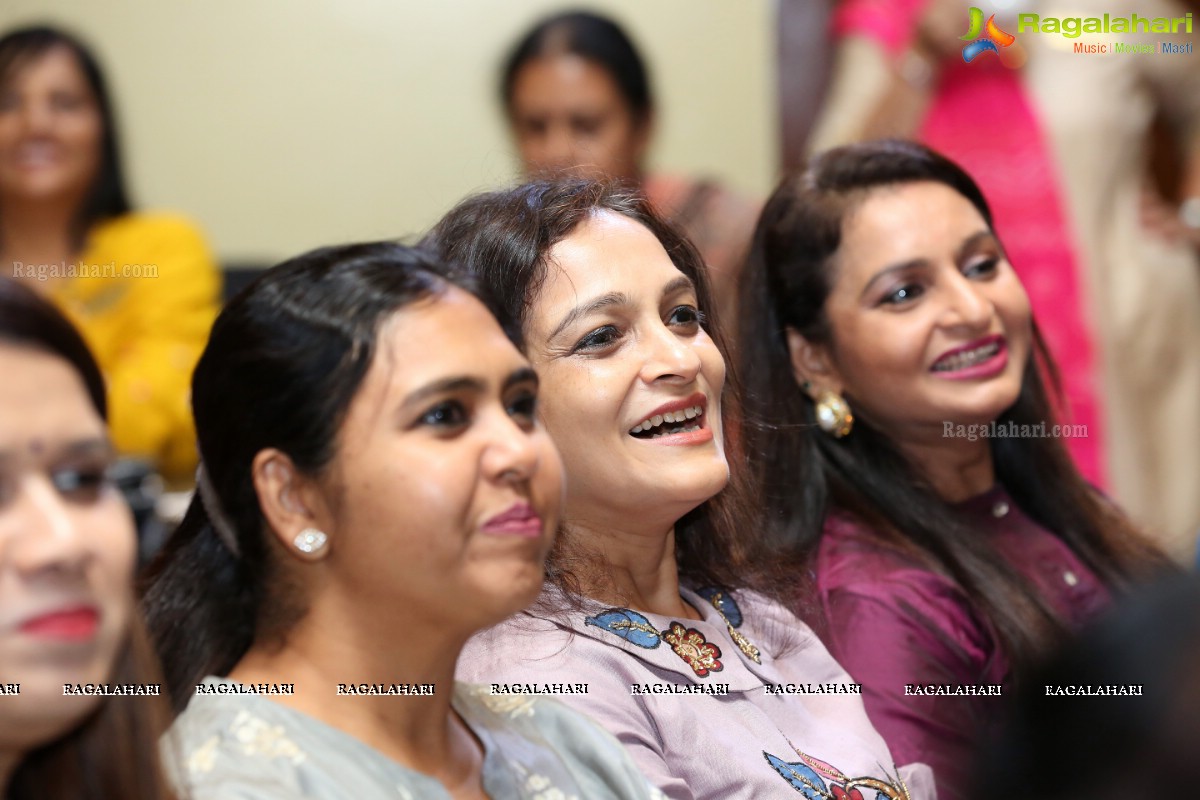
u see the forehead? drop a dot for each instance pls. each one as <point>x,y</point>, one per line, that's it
<point>563,80</point>
<point>448,334</point>
<point>608,252</point>
<point>42,398</point>
<point>904,221</point>
<point>56,64</point>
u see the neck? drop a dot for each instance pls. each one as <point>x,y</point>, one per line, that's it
<point>322,651</point>
<point>957,468</point>
<point>36,232</point>
<point>631,566</point>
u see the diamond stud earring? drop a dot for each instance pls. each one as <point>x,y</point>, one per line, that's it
<point>311,542</point>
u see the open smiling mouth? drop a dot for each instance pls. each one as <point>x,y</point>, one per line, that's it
<point>685,420</point>
<point>964,359</point>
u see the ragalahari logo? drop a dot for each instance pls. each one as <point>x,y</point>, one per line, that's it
<point>992,40</point>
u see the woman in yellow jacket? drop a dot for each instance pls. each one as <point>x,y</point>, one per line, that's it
<point>142,288</point>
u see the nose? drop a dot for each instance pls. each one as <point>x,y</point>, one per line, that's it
<point>49,535</point>
<point>559,149</point>
<point>512,452</point>
<point>669,357</point>
<point>967,304</point>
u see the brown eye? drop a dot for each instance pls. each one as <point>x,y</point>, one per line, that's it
<point>985,267</point>
<point>686,316</point>
<point>83,484</point>
<point>904,294</point>
<point>598,339</point>
<point>447,414</point>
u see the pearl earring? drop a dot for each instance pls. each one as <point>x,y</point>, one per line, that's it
<point>833,414</point>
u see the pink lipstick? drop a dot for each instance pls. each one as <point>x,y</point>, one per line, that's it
<point>983,358</point>
<point>520,520</point>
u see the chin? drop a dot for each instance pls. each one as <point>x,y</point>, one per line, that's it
<point>516,594</point>
<point>43,714</point>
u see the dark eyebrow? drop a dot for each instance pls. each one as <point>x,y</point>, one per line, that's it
<point>465,383</point>
<point>963,249</point>
<point>681,284</point>
<point>592,306</point>
<point>522,375</point>
<point>99,445</point>
<point>459,383</point>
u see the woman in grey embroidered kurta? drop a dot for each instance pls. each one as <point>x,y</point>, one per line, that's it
<point>610,303</point>
<point>374,489</point>
<point>238,747</point>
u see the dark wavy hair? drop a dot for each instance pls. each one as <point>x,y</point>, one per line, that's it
<point>114,752</point>
<point>106,198</point>
<point>504,238</point>
<point>284,360</point>
<point>593,38</point>
<point>805,474</point>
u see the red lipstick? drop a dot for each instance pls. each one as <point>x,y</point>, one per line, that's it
<point>520,521</point>
<point>69,624</point>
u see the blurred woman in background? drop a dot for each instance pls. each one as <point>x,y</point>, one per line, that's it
<point>67,545</point>
<point>578,100</point>
<point>141,287</point>
<point>907,446</point>
<point>374,489</point>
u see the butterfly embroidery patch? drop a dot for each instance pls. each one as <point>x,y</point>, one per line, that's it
<point>816,780</point>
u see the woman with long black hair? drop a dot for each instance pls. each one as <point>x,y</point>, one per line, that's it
<point>904,437</point>
<point>374,488</point>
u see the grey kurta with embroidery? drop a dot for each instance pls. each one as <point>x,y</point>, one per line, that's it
<point>743,704</point>
<point>245,747</point>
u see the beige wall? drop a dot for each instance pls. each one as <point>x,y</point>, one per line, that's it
<point>285,124</point>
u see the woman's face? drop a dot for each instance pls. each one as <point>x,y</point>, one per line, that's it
<point>568,115</point>
<point>631,383</point>
<point>50,130</point>
<point>67,549</point>
<point>930,323</point>
<point>445,490</point>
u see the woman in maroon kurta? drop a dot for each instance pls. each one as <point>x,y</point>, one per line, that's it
<point>907,446</point>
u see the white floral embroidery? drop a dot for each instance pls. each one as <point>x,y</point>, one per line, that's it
<point>204,757</point>
<point>260,738</point>
<point>512,705</point>
<point>539,787</point>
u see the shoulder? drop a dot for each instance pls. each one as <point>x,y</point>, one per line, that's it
<point>148,226</point>
<point>234,747</point>
<point>597,762</point>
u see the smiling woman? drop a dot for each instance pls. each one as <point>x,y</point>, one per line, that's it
<point>882,314</point>
<point>141,287</point>
<point>374,489</point>
<point>650,599</point>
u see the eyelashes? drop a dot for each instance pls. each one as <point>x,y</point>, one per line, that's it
<point>452,416</point>
<point>79,484</point>
<point>686,317</point>
<point>912,290</point>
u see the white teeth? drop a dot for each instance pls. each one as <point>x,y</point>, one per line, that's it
<point>968,358</point>
<point>670,417</point>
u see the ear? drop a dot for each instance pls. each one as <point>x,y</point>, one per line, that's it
<point>812,366</point>
<point>290,501</point>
